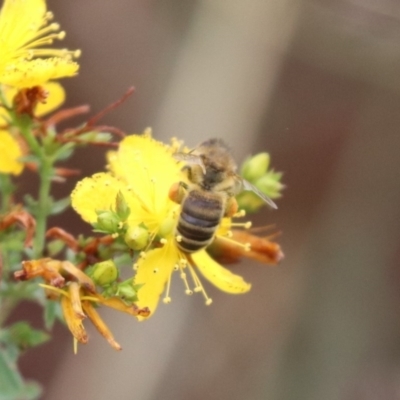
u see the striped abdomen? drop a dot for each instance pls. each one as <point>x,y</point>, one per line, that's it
<point>201,213</point>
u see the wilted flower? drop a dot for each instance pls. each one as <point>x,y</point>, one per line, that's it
<point>78,296</point>
<point>11,145</point>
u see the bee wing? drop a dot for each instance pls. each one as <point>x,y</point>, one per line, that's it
<point>190,158</point>
<point>248,186</point>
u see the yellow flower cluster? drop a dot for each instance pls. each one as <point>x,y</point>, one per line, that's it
<point>144,170</point>
<point>24,63</point>
<point>24,29</point>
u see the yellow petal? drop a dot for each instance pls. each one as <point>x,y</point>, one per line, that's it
<point>219,276</point>
<point>10,152</point>
<point>153,272</point>
<point>148,166</point>
<point>55,99</point>
<point>26,74</point>
<point>20,21</point>
<point>96,194</point>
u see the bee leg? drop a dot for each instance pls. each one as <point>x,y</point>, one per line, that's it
<point>177,192</point>
<point>231,207</point>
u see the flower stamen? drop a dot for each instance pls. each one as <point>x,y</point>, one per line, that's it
<point>198,286</point>
<point>167,299</point>
<point>244,225</point>
<point>245,246</point>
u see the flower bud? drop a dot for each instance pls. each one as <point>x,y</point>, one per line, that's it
<point>107,221</point>
<point>121,207</point>
<point>136,237</point>
<point>126,291</point>
<point>270,185</point>
<point>104,273</point>
<point>255,167</point>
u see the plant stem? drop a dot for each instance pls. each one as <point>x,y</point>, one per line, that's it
<point>6,190</point>
<point>45,172</point>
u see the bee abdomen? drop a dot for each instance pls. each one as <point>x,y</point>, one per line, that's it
<point>198,221</point>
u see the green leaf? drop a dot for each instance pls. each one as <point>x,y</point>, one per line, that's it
<point>25,337</point>
<point>57,207</point>
<point>31,203</point>
<point>54,247</point>
<point>10,379</point>
<point>52,313</point>
<point>64,152</point>
<point>12,385</point>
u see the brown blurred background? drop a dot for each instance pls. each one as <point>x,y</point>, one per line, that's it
<point>315,83</point>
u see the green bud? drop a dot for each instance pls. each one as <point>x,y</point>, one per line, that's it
<point>255,167</point>
<point>95,137</point>
<point>270,184</point>
<point>136,237</point>
<point>121,207</point>
<point>104,273</point>
<point>107,221</point>
<point>126,291</point>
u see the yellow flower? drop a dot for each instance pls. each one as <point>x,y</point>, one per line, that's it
<point>144,170</point>
<point>24,30</point>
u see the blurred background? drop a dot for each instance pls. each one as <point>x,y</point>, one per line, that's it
<point>316,84</point>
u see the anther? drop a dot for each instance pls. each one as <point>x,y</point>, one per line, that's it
<point>208,301</point>
<point>188,292</point>
<point>167,300</point>
<point>54,26</point>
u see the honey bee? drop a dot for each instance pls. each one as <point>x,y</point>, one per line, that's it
<point>210,194</point>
